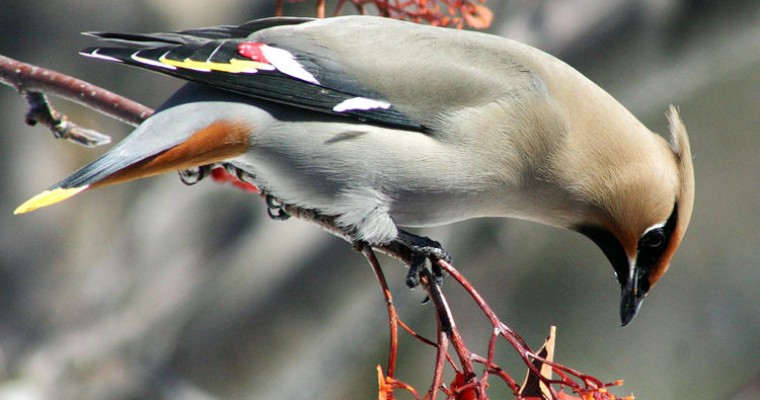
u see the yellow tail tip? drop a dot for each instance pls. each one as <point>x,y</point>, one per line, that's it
<point>47,198</point>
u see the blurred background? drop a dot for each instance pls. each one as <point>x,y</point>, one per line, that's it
<point>155,290</point>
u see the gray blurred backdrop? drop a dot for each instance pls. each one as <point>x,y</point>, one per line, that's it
<point>155,290</point>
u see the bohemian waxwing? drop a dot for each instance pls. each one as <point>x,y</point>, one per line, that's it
<point>381,123</point>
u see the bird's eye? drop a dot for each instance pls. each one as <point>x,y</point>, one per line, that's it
<point>654,238</point>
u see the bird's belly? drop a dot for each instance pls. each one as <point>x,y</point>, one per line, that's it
<point>369,176</point>
<point>439,208</point>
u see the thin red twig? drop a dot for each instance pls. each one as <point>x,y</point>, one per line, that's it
<point>278,8</point>
<point>393,319</point>
<point>492,368</point>
<point>517,342</point>
<point>441,354</point>
<point>447,325</point>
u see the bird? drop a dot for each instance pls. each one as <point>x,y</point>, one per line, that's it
<point>385,125</point>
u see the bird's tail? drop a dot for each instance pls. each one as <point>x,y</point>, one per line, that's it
<point>168,141</point>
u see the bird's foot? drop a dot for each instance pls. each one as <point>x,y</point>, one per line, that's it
<point>241,174</point>
<point>422,249</point>
<point>194,175</point>
<point>276,209</point>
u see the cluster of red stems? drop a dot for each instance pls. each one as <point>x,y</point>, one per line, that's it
<point>467,384</point>
<point>454,13</point>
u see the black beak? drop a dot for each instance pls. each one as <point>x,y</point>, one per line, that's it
<point>631,298</point>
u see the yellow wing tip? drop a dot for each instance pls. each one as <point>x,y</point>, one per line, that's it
<point>46,198</point>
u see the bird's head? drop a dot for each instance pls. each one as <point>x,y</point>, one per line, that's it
<point>646,218</point>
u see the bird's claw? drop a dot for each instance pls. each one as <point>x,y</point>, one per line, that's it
<point>423,249</point>
<point>276,209</point>
<point>240,173</point>
<point>416,263</point>
<point>194,175</point>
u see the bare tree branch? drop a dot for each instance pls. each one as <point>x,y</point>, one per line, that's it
<point>34,82</point>
<point>40,111</point>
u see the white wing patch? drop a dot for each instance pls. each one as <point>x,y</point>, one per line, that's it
<point>287,64</point>
<point>360,103</point>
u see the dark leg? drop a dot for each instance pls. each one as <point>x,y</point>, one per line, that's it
<point>194,175</point>
<point>276,209</point>
<point>422,249</point>
<point>244,176</point>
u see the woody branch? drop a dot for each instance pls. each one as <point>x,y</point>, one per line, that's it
<point>34,82</point>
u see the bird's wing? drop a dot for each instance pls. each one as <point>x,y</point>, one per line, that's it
<point>232,58</point>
